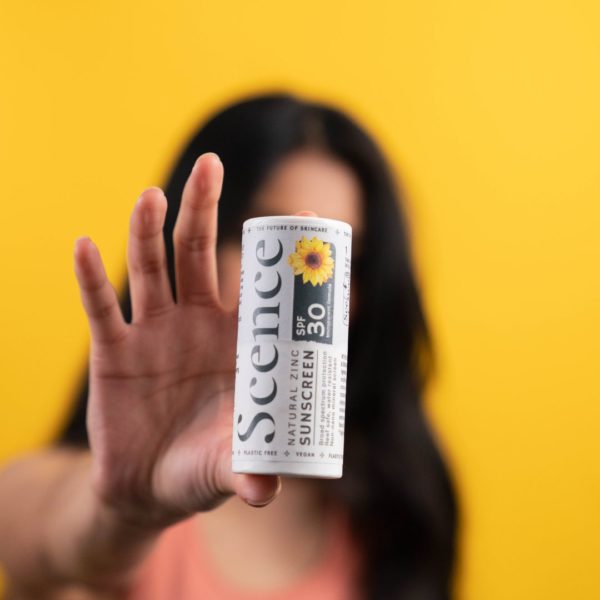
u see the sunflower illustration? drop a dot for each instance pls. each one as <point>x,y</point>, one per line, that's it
<point>312,259</point>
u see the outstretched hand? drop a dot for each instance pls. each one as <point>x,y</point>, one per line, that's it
<point>160,406</point>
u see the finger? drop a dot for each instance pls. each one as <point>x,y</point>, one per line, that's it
<point>195,233</point>
<point>146,257</point>
<point>257,490</point>
<point>306,213</point>
<point>98,296</point>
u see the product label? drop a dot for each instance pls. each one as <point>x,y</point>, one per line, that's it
<point>292,343</point>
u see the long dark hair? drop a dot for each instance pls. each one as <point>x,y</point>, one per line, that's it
<point>395,485</point>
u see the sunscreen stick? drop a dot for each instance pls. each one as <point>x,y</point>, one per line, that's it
<point>292,347</point>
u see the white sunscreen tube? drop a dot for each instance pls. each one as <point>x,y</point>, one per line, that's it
<point>292,347</point>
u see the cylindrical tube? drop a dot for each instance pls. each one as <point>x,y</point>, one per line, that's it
<point>292,347</point>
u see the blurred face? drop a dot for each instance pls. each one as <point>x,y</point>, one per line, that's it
<point>306,180</point>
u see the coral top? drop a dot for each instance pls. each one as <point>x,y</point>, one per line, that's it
<point>180,568</point>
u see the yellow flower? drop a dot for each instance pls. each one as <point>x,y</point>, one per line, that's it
<point>312,260</point>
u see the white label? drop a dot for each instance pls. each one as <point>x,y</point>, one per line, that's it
<point>291,363</point>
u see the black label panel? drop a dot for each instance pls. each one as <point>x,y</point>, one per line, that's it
<point>312,317</point>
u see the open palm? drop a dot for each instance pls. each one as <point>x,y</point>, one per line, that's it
<point>160,406</point>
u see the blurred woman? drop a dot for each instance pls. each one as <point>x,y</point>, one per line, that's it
<point>137,498</point>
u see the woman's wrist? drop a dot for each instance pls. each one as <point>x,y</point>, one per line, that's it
<point>104,547</point>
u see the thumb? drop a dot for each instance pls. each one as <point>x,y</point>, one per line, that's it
<point>256,490</point>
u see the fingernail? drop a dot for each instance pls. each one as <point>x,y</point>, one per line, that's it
<point>257,504</point>
<point>269,500</point>
<point>209,155</point>
<point>81,237</point>
<point>77,246</point>
<point>152,187</point>
<point>214,156</point>
<point>157,188</point>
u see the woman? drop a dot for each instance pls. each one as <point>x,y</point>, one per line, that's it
<point>160,395</point>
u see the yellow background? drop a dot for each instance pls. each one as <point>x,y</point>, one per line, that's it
<point>489,109</point>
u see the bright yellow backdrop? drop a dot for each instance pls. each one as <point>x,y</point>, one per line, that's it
<point>490,110</point>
